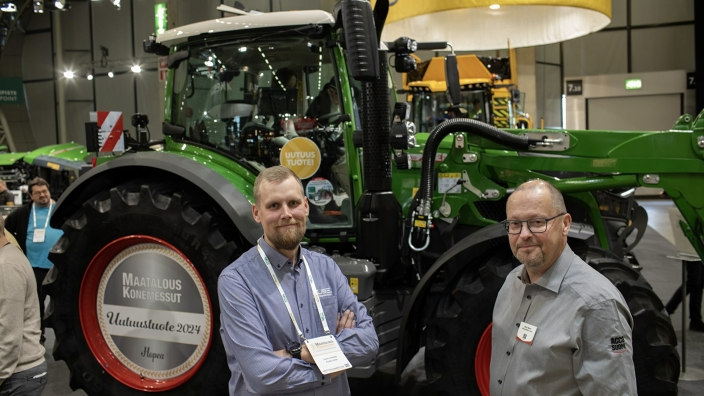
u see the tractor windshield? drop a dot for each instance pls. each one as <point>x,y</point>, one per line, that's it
<point>432,108</point>
<point>269,102</point>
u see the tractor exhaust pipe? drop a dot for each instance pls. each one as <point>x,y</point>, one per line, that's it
<point>378,215</point>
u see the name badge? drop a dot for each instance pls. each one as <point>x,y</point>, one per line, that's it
<point>39,234</point>
<point>327,354</point>
<point>526,333</point>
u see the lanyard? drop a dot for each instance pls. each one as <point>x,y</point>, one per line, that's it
<point>48,214</point>
<point>283,295</point>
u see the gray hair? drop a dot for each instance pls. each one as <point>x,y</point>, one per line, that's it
<point>557,201</point>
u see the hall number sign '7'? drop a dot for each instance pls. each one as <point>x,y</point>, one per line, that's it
<point>574,87</point>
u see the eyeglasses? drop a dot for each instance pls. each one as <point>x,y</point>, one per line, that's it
<point>37,193</point>
<point>536,226</point>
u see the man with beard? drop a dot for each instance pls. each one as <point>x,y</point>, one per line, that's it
<point>559,327</point>
<point>30,226</point>
<point>277,296</point>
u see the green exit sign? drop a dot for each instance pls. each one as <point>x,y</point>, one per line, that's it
<point>634,83</point>
<point>160,17</point>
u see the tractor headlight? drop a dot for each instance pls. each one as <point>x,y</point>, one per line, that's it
<point>403,135</point>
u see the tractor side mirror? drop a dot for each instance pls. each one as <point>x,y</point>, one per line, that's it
<point>516,96</point>
<point>176,58</point>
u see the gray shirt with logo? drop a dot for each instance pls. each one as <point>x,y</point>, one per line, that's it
<point>582,344</point>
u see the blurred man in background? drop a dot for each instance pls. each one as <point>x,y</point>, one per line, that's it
<point>30,226</point>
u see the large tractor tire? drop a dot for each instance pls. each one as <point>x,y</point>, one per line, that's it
<point>134,291</point>
<point>655,357</point>
<point>458,342</point>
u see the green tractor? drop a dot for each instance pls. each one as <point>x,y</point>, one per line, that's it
<point>133,291</point>
<point>59,164</point>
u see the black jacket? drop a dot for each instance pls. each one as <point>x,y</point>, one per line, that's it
<point>17,223</point>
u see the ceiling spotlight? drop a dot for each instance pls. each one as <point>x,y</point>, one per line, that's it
<point>116,3</point>
<point>8,7</point>
<point>111,74</point>
<point>136,69</point>
<point>89,76</point>
<point>495,6</point>
<point>38,6</point>
<point>59,4</point>
<point>68,74</point>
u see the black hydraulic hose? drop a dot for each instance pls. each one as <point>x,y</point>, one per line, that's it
<point>481,129</point>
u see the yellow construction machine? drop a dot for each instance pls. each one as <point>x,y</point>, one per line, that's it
<point>488,87</point>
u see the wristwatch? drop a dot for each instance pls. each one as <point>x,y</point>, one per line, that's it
<point>294,348</point>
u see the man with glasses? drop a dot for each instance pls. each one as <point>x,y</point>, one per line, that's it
<point>559,327</point>
<point>30,226</point>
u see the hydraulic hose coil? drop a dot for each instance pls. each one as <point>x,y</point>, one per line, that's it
<point>468,125</point>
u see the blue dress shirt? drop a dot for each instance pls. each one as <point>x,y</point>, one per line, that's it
<point>255,322</point>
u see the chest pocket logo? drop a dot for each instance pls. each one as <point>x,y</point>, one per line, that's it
<point>618,345</point>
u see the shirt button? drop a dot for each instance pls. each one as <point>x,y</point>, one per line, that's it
<point>528,297</point>
<point>518,324</point>
<point>306,330</point>
<point>301,305</point>
<point>500,382</point>
<point>508,353</point>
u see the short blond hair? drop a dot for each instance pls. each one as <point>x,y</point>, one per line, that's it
<point>275,174</point>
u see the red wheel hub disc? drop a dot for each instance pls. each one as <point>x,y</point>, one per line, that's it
<point>482,361</point>
<point>145,313</point>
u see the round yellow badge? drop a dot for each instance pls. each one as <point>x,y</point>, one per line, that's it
<point>302,156</point>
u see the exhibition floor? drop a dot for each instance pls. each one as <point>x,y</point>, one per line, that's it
<point>665,275</point>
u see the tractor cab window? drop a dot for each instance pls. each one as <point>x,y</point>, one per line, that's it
<point>432,108</point>
<point>271,103</point>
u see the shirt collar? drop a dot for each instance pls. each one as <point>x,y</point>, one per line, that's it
<point>276,259</point>
<point>552,278</point>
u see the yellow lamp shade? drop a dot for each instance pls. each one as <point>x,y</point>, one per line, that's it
<point>472,25</point>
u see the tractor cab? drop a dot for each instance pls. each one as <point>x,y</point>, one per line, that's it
<point>432,108</point>
<point>273,101</point>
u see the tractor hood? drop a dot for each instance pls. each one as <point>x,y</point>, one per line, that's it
<point>7,159</point>
<point>58,157</point>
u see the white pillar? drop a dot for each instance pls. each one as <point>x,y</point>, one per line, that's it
<point>60,83</point>
<point>525,64</point>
